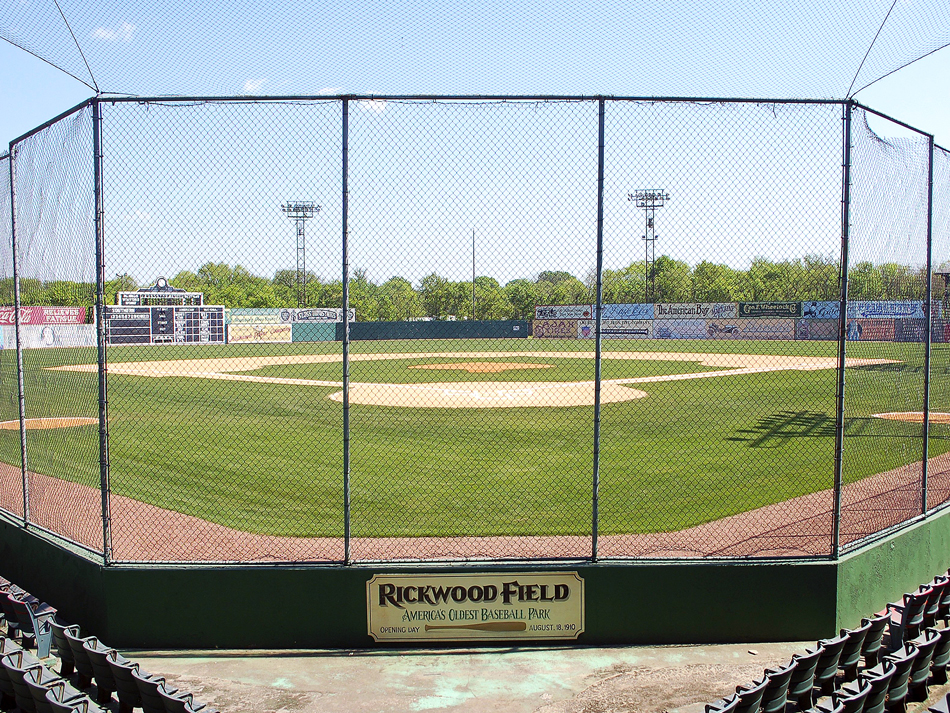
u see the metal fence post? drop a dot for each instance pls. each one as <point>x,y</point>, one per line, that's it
<point>846,108</point>
<point>19,342</point>
<point>925,466</point>
<point>598,316</point>
<point>104,485</point>
<point>346,336</point>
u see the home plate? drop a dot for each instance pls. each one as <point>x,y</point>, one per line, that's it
<point>487,395</point>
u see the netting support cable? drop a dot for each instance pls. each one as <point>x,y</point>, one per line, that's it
<point>21,397</point>
<point>95,86</point>
<point>846,110</point>
<point>928,313</point>
<point>104,485</point>
<point>870,47</point>
<point>598,317</point>
<point>346,334</point>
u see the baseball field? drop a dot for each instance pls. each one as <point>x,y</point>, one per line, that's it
<point>474,437</point>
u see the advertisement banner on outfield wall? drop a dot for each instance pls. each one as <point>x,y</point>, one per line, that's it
<point>770,310</point>
<point>906,309</point>
<point>498,606</point>
<point>259,333</point>
<point>816,329</point>
<point>252,315</point>
<point>555,329</point>
<point>616,329</point>
<point>44,315</point>
<point>627,311</point>
<point>314,315</point>
<point>680,329</point>
<point>821,310</point>
<point>910,330</point>
<point>870,330</point>
<point>35,336</point>
<point>696,310</point>
<point>766,328</point>
<point>940,332</point>
<point>563,312</point>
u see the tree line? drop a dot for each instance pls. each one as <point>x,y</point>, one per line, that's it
<point>803,279</point>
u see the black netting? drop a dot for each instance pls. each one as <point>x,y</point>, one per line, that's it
<point>938,476</point>
<point>54,195</point>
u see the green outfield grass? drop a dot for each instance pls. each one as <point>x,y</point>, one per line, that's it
<point>268,458</point>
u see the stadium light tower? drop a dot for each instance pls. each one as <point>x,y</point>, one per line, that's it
<point>649,199</point>
<point>300,212</point>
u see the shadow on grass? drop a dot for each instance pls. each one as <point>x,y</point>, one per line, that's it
<point>779,428</point>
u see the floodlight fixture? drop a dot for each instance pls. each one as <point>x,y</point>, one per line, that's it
<point>300,212</point>
<point>649,199</point>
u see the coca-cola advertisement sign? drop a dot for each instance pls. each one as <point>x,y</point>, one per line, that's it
<point>44,315</point>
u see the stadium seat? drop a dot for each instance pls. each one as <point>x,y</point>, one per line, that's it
<point>178,702</point>
<point>851,651</point>
<point>101,671</point>
<point>827,667</point>
<point>802,684</point>
<point>77,705</point>
<point>871,648</point>
<point>903,660</point>
<point>34,619</point>
<point>149,687</point>
<point>9,613</point>
<point>879,680</point>
<point>126,687</point>
<point>61,694</point>
<point>38,681</point>
<point>16,665</point>
<point>80,658</point>
<point>726,705</point>
<point>848,702</point>
<point>775,696</point>
<point>906,617</point>
<point>943,609</point>
<point>920,671</point>
<point>61,645</point>
<point>7,646</point>
<point>750,697</point>
<point>941,657</point>
<point>938,588</point>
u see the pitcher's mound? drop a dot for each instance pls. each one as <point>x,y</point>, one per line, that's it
<point>914,416</point>
<point>477,394</point>
<point>43,423</point>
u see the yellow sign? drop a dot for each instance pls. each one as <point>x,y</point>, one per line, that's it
<point>486,607</point>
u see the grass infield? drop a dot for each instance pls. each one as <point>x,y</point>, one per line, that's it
<point>268,458</point>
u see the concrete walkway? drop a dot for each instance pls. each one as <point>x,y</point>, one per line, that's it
<point>501,680</point>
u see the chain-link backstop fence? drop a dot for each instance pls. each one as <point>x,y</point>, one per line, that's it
<point>380,329</point>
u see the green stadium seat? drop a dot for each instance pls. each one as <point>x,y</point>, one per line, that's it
<point>941,657</point>
<point>938,588</point>
<point>750,697</point>
<point>38,681</point>
<point>101,671</point>
<point>871,648</point>
<point>77,705</point>
<point>851,651</point>
<point>34,619</point>
<point>775,696</point>
<point>802,684</point>
<point>61,694</point>
<point>726,705</point>
<point>906,617</point>
<point>149,687</point>
<point>126,687</point>
<point>7,646</point>
<point>917,684</point>
<point>903,660</point>
<point>879,679</point>
<point>81,660</point>
<point>848,702</point>
<point>63,650</point>
<point>16,665</point>
<point>827,667</point>
<point>185,703</point>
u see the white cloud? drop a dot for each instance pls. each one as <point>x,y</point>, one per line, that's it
<point>330,90</point>
<point>376,106</point>
<point>122,33</point>
<point>253,86</point>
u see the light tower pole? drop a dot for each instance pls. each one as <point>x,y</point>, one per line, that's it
<point>649,199</point>
<point>300,212</point>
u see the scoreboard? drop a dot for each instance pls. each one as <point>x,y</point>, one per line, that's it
<point>169,324</point>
